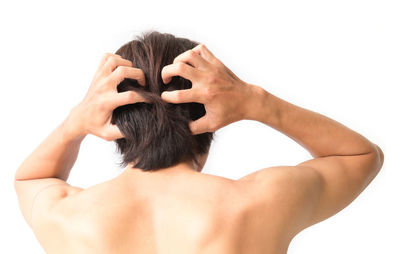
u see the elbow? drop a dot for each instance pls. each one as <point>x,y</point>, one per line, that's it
<point>370,164</point>
<point>375,160</point>
<point>380,157</point>
<point>16,186</point>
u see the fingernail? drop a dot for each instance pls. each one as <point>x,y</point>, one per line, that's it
<point>164,94</point>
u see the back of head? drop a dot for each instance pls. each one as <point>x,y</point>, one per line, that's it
<point>157,134</point>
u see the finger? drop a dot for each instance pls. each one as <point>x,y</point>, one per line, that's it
<point>199,126</point>
<point>128,97</point>
<point>105,57</point>
<point>103,60</point>
<point>191,57</point>
<point>203,51</point>
<point>122,72</point>
<point>111,132</point>
<point>178,69</point>
<point>181,96</point>
<point>112,63</point>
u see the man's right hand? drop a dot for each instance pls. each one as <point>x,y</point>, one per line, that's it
<point>226,98</point>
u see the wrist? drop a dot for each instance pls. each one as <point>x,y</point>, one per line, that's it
<point>254,103</point>
<point>263,106</point>
<point>71,127</point>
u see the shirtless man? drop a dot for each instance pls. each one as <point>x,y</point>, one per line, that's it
<point>179,209</point>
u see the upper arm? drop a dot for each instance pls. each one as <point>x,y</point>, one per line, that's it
<point>343,178</point>
<point>316,189</point>
<point>36,197</point>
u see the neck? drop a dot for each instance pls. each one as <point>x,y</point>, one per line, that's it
<point>178,169</point>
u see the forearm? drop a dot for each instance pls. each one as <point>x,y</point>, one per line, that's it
<point>54,157</point>
<point>320,135</point>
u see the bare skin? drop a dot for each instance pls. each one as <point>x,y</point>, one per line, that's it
<point>181,210</point>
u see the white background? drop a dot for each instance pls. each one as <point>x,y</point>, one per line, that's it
<point>338,58</point>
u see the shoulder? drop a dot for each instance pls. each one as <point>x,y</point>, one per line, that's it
<point>38,196</point>
<point>284,193</point>
<point>283,178</point>
<point>69,214</point>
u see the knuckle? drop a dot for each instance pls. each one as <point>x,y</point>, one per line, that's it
<point>98,91</point>
<point>101,106</point>
<point>218,62</point>
<point>178,95</point>
<point>212,78</point>
<point>208,93</point>
<point>107,55</point>
<point>180,67</point>
<point>102,103</point>
<point>202,46</point>
<point>191,53</point>
<point>120,71</point>
<point>176,59</point>
<point>129,62</point>
<point>111,60</point>
<point>131,95</point>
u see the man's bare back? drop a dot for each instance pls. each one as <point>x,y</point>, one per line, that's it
<point>189,213</point>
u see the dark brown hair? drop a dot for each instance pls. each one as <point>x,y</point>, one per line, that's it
<point>157,134</point>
